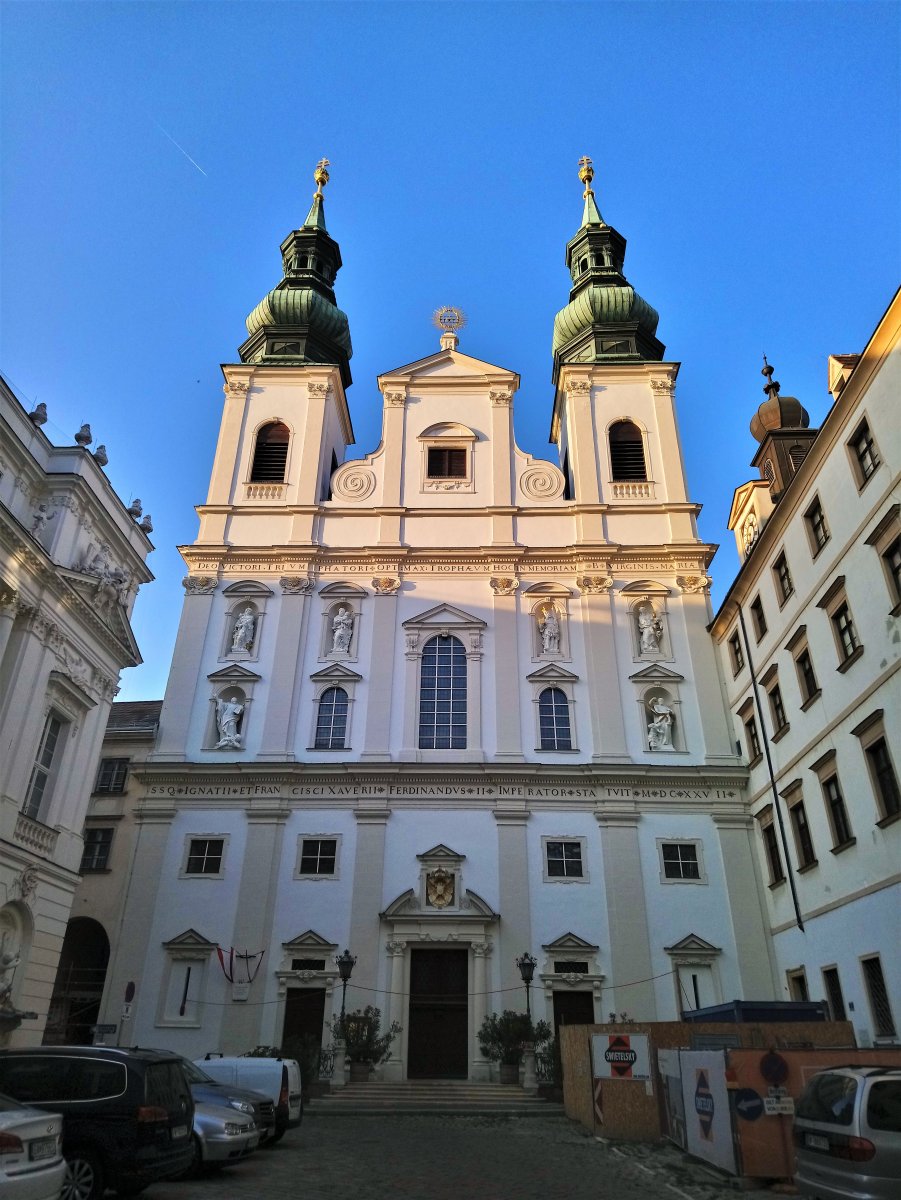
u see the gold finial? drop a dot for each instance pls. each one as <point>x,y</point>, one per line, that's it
<point>320,175</point>
<point>586,174</point>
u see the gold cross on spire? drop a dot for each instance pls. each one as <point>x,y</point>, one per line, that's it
<point>320,175</point>
<point>586,174</point>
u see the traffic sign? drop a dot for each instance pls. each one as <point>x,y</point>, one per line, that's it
<point>749,1104</point>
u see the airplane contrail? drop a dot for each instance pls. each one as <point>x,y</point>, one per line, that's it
<point>182,149</point>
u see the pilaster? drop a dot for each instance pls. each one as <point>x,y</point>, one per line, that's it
<point>515,930</point>
<point>508,696</point>
<point>380,685</point>
<point>608,731</point>
<point>288,641</point>
<point>747,906</point>
<point>185,672</point>
<point>479,1069</point>
<point>368,887</point>
<point>630,943</point>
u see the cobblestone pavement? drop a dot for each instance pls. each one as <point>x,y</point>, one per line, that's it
<point>453,1158</point>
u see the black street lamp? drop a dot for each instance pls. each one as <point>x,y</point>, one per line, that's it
<point>345,964</point>
<point>526,964</point>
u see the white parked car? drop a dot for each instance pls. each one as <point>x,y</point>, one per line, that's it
<point>277,1078</point>
<point>32,1166</point>
<point>222,1136</point>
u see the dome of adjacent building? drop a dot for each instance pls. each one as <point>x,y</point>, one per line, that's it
<point>603,305</point>
<point>778,412</point>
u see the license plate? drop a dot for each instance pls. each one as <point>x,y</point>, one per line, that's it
<point>179,1131</point>
<point>42,1148</point>
<point>816,1142</point>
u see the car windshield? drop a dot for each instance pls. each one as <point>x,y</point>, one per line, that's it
<point>884,1105</point>
<point>828,1098</point>
<point>194,1073</point>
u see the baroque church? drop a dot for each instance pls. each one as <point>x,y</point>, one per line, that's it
<point>442,705</point>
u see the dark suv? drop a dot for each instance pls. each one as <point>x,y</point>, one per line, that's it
<point>128,1114</point>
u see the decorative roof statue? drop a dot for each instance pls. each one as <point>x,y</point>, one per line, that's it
<point>84,437</point>
<point>38,415</point>
<point>100,456</point>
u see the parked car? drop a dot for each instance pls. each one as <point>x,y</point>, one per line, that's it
<point>31,1156</point>
<point>277,1078</point>
<point>847,1134</point>
<point>127,1113</point>
<point>207,1090</point>
<point>221,1136</point>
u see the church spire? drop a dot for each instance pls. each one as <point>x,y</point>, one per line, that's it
<point>299,322</point>
<point>606,320</point>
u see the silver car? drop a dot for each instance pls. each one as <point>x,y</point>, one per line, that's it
<point>848,1134</point>
<point>31,1158</point>
<point>221,1136</point>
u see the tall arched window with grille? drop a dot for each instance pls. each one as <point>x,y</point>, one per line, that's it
<point>270,454</point>
<point>331,720</point>
<point>553,720</point>
<point>627,451</point>
<point>442,694</point>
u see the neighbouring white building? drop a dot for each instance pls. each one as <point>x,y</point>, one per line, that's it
<point>443,704</point>
<point>71,560</point>
<point>810,642</point>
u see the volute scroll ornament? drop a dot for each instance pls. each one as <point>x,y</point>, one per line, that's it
<point>500,398</point>
<point>545,482</point>
<point>295,585</point>
<point>320,390</point>
<point>594,585</point>
<point>395,399</point>
<point>578,387</point>
<point>386,585</point>
<point>503,585</point>
<point>199,585</point>
<point>694,583</point>
<point>353,482</point>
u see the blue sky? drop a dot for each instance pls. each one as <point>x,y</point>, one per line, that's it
<point>749,152</point>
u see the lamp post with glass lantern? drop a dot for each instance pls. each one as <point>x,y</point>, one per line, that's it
<point>526,963</point>
<point>345,964</point>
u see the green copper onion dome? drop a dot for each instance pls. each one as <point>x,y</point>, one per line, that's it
<point>299,321</point>
<point>606,320</point>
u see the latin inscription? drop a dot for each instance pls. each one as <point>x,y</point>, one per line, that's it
<point>456,791</point>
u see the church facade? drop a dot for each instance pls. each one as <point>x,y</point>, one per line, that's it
<point>441,705</point>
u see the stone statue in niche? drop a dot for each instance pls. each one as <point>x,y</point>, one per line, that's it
<point>245,628</point>
<point>228,714</point>
<point>549,628</point>
<point>40,519</point>
<point>342,630</point>
<point>660,730</point>
<point>650,630</point>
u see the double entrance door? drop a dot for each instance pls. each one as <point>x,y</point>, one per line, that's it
<point>438,1036</point>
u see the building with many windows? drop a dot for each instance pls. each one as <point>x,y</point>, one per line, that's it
<point>810,644</point>
<point>443,704</point>
<point>71,560</point>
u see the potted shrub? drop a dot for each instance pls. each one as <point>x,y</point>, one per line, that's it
<point>364,1043</point>
<point>502,1038</point>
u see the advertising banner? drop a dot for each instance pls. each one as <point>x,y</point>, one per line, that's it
<point>671,1080</point>
<point>620,1056</point>
<point>706,1101</point>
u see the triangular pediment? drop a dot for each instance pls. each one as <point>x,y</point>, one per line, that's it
<point>336,673</point>
<point>569,941</point>
<point>441,853</point>
<point>444,615</point>
<point>111,614</point>
<point>656,674</point>
<point>552,673</point>
<point>311,940</point>
<point>741,500</point>
<point>407,904</point>
<point>692,944</point>
<point>190,940</point>
<point>450,364</point>
<point>233,673</point>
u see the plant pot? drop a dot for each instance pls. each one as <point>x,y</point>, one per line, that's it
<point>359,1072</point>
<point>509,1073</point>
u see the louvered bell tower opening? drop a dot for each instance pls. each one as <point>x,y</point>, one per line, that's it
<point>627,452</point>
<point>270,454</point>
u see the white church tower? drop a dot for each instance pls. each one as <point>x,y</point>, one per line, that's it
<point>443,704</point>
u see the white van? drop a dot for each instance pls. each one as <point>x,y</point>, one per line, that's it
<point>275,1077</point>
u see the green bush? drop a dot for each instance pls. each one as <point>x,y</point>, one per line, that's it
<point>502,1038</point>
<point>360,1031</point>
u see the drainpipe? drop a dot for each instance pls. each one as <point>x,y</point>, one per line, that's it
<point>777,808</point>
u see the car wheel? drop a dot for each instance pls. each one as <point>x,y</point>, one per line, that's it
<point>275,1136</point>
<point>84,1175</point>
<point>195,1169</point>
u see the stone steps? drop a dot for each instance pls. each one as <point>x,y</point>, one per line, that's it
<point>433,1098</point>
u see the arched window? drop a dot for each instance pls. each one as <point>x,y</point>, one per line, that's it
<point>553,720</point>
<point>442,695</point>
<point>331,720</point>
<point>270,454</point>
<point>627,451</point>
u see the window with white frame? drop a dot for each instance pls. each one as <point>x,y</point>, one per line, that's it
<point>784,586</point>
<point>864,453</point>
<point>95,854</point>
<point>834,801</point>
<point>331,720</point>
<point>817,529</point>
<point>564,860</point>
<point>883,777</point>
<point>317,857</point>
<point>553,720</point>
<point>834,602</point>
<point>46,766</point>
<point>205,857</point>
<point>442,694</point>
<point>886,541</point>
<point>448,453</point>
<point>681,861</point>
<point>112,776</point>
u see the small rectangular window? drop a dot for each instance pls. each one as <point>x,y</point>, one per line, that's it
<point>318,856</point>
<point>784,583</point>
<point>803,840</point>
<point>845,633</point>
<point>753,739</point>
<point>446,463</point>
<point>877,993</point>
<point>307,964</point>
<point>680,860</point>
<point>865,455</point>
<point>205,856</point>
<point>810,689</point>
<point>883,776</point>
<point>817,529</point>
<point>111,776</point>
<point>564,859</point>
<point>833,986</point>
<point>570,968</point>
<point>891,559</point>
<point>757,616</point>
<point>773,857</point>
<point>797,985</point>
<point>736,653</point>
<point>95,855</point>
<point>49,747</point>
<point>837,812</point>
